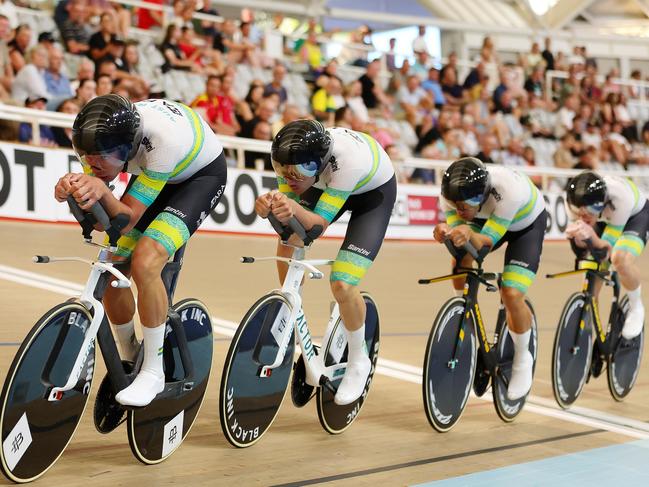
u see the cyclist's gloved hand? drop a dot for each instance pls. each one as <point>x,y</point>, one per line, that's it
<point>262,204</point>
<point>441,232</point>
<point>580,231</point>
<point>460,235</point>
<point>281,207</point>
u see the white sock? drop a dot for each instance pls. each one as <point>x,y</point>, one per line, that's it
<point>356,343</point>
<point>521,342</point>
<point>635,297</point>
<point>153,343</point>
<point>126,339</point>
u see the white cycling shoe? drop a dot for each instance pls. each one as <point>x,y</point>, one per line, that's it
<point>633,323</point>
<point>520,381</point>
<point>354,380</point>
<point>146,386</point>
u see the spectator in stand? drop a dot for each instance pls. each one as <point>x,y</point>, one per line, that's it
<point>470,146</point>
<point>149,18</point>
<point>534,84</point>
<point>227,104</point>
<point>130,61</point>
<point>513,155</point>
<point>567,114</point>
<point>533,60</point>
<point>18,47</point>
<point>421,66</point>
<point>6,70</point>
<point>75,31</point>
<point>36,102</point>
<point>323,103</point>
<point>563,157</point>
<point>8,10</point>
<point>622,116</point>
<point>453,93</point>
<point>100,41</point>
<point>311,52</point>
<point>548,57</point>
<point>63,136</point>
<point>355,101</point>
<point>589,91</point>
<point>46,39</point>
<point>108,67</point>
<point>619,146</point>
<point>290,114</point>
<point>431,85</point>
<point>246,108</point>
<point>419,44</point>
<point>414,100</point>
<point>398,78</point>
<point>589,160</point>
<point>86,70</point>
<point>30,80</point>
<point>261,130</point>
<point>489,146</point>
<point>277,83</point>
<point>104,85</point>
<point>592,135</point>
<point>390,62</point>
<point>174,56</point>
<point>265,112</point>
<point>208,29</point>
<point>633,91</point>
<point>607,111</point>
<point>488,52</point>
<point>86,91</point>
<point>610,86</point>
<point>206,62</point>
<point>372,92</point>
<point>529,157</point>
<point>473,80</point>
<point>640,152</point>
<point>57,83</point>
<point>209,106</point>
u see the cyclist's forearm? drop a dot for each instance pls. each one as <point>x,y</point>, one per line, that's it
<point>114,207</point>
<point>480,240</point>
<point>307,218</point>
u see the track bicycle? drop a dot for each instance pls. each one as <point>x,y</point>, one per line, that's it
<point>581,344</point>
<point>458,353</point>
<point>49,381</point>
<point>259,363</point>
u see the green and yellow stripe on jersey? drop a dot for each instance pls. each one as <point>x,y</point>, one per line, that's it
<point>169,231</point>
<point>349,267</point>
<point>517,277</point>
<point>629,243</point>
<point>330,203</point>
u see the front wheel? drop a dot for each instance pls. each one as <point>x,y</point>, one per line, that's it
<point>624,360</point>
<point>248,403</point>
<point>572,351</point>
<point>36,431</point>
<point>449,365</point>
<point>508,410</point>
<point>334,418</point>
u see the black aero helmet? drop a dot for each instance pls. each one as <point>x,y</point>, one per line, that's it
<point>107,124</point>
<point>305,144</point>
<point>587,190</point>
<point>466,179</point>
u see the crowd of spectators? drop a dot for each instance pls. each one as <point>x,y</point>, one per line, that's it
<point>491,109</point>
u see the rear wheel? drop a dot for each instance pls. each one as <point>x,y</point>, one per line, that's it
<point>624,361</point>
<point>157,430</point>
<point>248,404</point>
<point>334,418</point>
<point>507,409</point>
<point>36,431</point>
<point>449,365</point>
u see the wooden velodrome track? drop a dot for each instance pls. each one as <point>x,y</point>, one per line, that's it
<point>391,443</point>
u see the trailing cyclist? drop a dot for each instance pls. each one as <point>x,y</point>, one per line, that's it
<point>322,173</point>
<point>179,174</point>
<point>614,214</point>
<point>488,206</point>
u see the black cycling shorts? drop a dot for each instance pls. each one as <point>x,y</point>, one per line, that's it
<point>179,209</point>
<point>370,216</point>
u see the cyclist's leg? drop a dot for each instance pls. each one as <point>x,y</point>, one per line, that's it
<point>627,249</point>
<point>186,205</point>
<point>521,264</point>
<point>366,229</point>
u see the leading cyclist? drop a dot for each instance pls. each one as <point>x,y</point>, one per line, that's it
<point>614,214</point>
<point>322,173</point>
<point>489,206</point>
<point>179,176</point>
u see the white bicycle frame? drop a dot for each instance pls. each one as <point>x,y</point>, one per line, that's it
<point>87,299</point>
<point>316,371</point>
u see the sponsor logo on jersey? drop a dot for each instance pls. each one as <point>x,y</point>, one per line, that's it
<point>358,250</point>
<point>147,144</point>
<point>334,164</point>
<point>176,212</point>
<point>496,194</point>
<point>519,263</point>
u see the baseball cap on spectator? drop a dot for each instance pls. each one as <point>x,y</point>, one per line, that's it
<point>31,99</point>
<point>46,37</point>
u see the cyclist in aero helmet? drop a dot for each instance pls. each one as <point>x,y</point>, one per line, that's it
<point>176,182</point>
<point>488,206</point>
<point>322,173</point>
<point>614,213</point>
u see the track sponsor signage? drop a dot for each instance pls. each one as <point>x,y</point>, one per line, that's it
<point>28,175</point>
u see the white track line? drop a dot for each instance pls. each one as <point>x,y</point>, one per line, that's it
<point>397,370</point>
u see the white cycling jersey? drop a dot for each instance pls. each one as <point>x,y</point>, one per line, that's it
<point>513,204</point>
<point>176,143</point>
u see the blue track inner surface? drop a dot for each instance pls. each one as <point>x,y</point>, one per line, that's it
<point>625,464</point>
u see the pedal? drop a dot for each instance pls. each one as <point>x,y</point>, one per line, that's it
<point>108,413</point>
<point>301,392</point>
